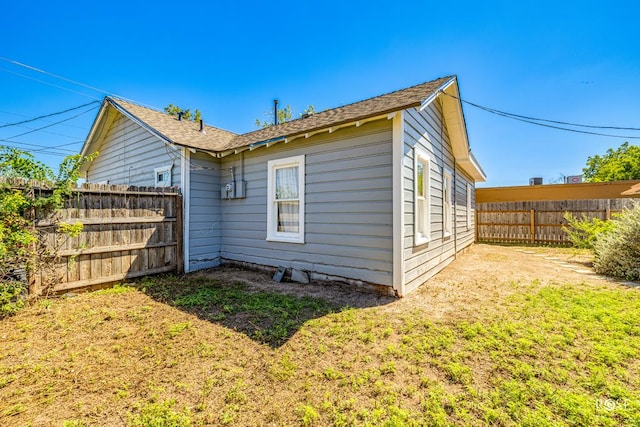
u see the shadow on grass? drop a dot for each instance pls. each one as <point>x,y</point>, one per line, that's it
<point>269,316</point>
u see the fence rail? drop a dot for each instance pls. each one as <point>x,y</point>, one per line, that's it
<point>538,221</point>
<point>127,232</point>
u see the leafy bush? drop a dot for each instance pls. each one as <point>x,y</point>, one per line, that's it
<point>21,249</point>
<point>12,297</point>
<point>617,252</point>
<point>583,232</point>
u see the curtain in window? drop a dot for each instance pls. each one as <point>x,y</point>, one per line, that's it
<point>287,200</point>
<point>420,197</point>
<point>447,204</point>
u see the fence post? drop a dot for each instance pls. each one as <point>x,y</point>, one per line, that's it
<point>476,224</point>
<point>532,214</point>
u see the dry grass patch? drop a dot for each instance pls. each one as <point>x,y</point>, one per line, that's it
<point>485,343</point>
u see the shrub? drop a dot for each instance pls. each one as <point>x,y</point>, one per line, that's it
<point>583,232</point>
<point>617,252</point>
<point>21,249</point>
<point>12,297</point>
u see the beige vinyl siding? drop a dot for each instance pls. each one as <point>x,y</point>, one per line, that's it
<point>348,205</point>
<point>204,213</point>
<point>129,154</point>
<point>427,130</point>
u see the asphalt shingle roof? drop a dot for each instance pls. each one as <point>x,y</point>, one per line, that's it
<point>187,133</point>
<point>181,132</point>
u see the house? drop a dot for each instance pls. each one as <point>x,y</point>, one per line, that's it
<point>377,193</point>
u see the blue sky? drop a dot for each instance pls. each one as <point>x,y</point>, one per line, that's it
<point>569,61</point>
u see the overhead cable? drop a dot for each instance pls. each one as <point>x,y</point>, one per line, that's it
<point>48,115</point>
<point>49,84</point>
<point>53,124</point>
<point>66,79</point>
<point>536,121</point>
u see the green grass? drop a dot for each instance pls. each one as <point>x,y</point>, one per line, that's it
<point>552,358</point>
<point>267,317</point>
<point>197,352</point>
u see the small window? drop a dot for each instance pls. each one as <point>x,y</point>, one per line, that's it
<point>447,202</point>
<point>163,176</point>
<point>421,193</point>
<point>285,209</point>
<point>469,206</point>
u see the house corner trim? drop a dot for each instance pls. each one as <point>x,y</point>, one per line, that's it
<point>398,203</point>
<point>185,177</point>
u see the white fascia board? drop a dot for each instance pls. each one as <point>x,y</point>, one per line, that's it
<point>92,132</point>
<point>141,123</point>
<point>436,93</point>
<point>472,167</point>
<point>453,116</point>
<point>185,176</point>
<point>398,276</point>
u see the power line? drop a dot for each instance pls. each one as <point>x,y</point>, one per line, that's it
<point>47,121</point>
<point>61,145</point>
<point>51,133</point>
<point>48,83</point>
<point>532,120</point>
<point>66,79</point>
<point>493,110</point>
<point>48,115</point>
<point>43,148</point>
<point>29,67</point>
<point>53,124</point>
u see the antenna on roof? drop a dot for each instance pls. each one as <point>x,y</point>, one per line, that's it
<point>275,111</point>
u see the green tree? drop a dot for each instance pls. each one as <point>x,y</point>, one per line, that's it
<point>15,163</point>
<point>174,110</point>
<point>284,115</point>
<point>615,165</point>
<point>20,248</point>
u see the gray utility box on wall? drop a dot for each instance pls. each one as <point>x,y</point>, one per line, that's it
<point>234,190</point>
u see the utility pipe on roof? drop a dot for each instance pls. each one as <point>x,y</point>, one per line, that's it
<point>275,112</point>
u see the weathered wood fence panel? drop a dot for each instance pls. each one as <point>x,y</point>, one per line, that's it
<point>538,221</point>
<point>127,232</point>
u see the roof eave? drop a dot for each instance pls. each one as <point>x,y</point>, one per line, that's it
<point>92,132</point>
<point>457,128</point>
<point>140,122</point>
<point>286,138</point>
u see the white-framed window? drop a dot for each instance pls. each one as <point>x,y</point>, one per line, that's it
<point>285,204</point>
<point>447,202</point>
<point>469,205</point>
<point>421,196</point>
<point>163,176</point>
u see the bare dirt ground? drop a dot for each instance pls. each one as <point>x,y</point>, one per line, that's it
<point>475,278</point>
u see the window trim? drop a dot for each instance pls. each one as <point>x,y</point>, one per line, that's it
<point>162,169</point>
<point>447,177</point>
<point>421,237</point>
<point>272,234</point>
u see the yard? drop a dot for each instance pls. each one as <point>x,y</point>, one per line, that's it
<point>504,336</point>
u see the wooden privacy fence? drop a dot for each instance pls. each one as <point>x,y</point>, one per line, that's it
<point>538,221</point>
<point>127,232</point>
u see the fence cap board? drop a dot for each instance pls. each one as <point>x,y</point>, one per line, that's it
<point>553,192</point>
<point>21,183</point>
